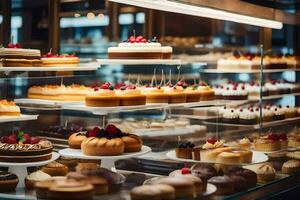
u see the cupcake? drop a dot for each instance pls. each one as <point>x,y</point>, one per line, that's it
<point>8,181</point>
<point>130,95</point>
<point>192,94</point>
<point>55,169</point>
<point>34,177</point>
<point>230,116</point>
<point>206,92</point>
<point>176,93</point>
<point>265,173</point>
<point>291,167</point>
<point>244,143</point>
<point>247,116</point>
<point>155,94</point>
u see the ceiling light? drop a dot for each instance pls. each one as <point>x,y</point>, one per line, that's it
<point>101,16</point>
<point>77,15</point>
<point>182,8</point>
<point>90,15</point>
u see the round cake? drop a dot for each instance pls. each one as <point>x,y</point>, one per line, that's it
<point>21,147</point>
<point>9,108</point>
<point>64,60</point>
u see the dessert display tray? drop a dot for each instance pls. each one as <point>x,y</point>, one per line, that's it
<point>139,61</point>
<point>82,67</point>
<point>107,162</point>
<point>257,158</point>
<point>20,169</point>
<point>22,117</point>
<point>237,71</point>
<point>43,102</point>
<point>106,110</point>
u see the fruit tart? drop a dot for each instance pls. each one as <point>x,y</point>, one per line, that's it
<point>271,142</point>
<point>21,147</point>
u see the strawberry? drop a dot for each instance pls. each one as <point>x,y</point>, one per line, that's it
<point>4,139</point>
<point>112,129</point>
<point>185,171</point>
<point>212,140</point>
<point>179,83</point>
<point>282,136</point>
<point>34,140</point>
<point>18,46</point>
<point>273,137</point>
<point>11,45</point>
<point>104,87</point>
<point>93,132</point>
<point>12,140</point>
<point>27,139</point>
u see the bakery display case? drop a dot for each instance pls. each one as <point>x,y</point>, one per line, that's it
<point>126,103</point>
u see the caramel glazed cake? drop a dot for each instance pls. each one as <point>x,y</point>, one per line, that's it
<point>17,57</point>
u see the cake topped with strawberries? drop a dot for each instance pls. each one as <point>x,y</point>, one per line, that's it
<point>138,47</point>
<point>21,147</point>
<point>63,60</point>
<point>16,56</point>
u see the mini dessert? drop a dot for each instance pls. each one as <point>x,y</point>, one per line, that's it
<point>294,141</point>
<point>235,93</point>
<point>15,56</point>
<point>183,187</point>
<point>244,155</point>
<point>283,140</point>
<point>176,94</point>
<point>249,175</point>
<point>41,188</point>
<point>55,169</point>
<point>103,96</point>
<point>267,143</point>
<point>192,93</point>
<point>153,192</point>
<point>133,143</point>
<point>21,147</point>
<point>230,116</point>
<point>211,149</point>
<point>244,143</point>
<point>279,113</point>
<point>247,116</point>
<point>59,92</point>
<point>206,92</point>
<point>184,150</point>
<point>76,139</point>
<point>9,108</point>
<point>130,95</point>
<point>224,185</point>
<point>35,177</point>
<point>254,90</point>
<point>291,167</point>
<point>239,183</point>
<point>265,173</point>
<point>70,190</point>
<point>290,112</point>
<point>8,181</point>
<point>155,95</point>
<point>140,48</point>
<point>228,158</point>
<point>64,60</point>
<point>293,155</point>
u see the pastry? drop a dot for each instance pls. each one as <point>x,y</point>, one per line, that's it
<point>244,143</point>
<point>35,177</point>
<point>228,158</point>
<point>239,183</point>
<point>133,143</point>
<point>41,188</point>
<point>244,155</point>
<point>183,187</point>
<point>153,192</point>
<point>206,92</point>
<point>291,167</point>
<point>223,183</point>
<point>192,94</point>
<point>61,92</point>
<point>69,162</point>
<point>20,147</point>
<point>175,92</point>
<point>15,56</point>
<point>140,48</point>
<point>249,175</point>
<point>184,150</point>
<point>155,94</point>
<point>8,181</point>
<point>70,190</point>
<point>230,116</point>
<point>293,155</point>
<point>9,108</point>
<point>76,139</point>
<point>235,93</point>
<point>64,60</point>
<point>55,169</point>
<point>102,146</point>
<point>247,116</point>
<point>294,141</point>
<point>265,173</point>
<point>103,96</point>
<point>130,95</point>
<point>267,143</point>
<point>211,149</point>
<point>290,112</point>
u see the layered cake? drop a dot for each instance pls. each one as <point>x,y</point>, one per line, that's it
<point>72,92</point>
<point>140,48</point>
<point>15,56</point>
<point>64,60</point>
<point>9,108</point>
<point>21,147</point>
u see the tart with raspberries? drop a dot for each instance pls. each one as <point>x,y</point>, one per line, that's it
<point>102,96</point>
<point>64,60</point>
<point>110,141</point>
<point>21,147</point>
<point>140,48</point>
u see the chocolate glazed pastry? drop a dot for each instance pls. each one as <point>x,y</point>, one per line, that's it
<point>249,175</point>
<point>8,181</point>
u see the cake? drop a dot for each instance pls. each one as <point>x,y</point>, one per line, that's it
<point>184,150</point>
<point>230,116</point>
<point>265,173</point>
<point>103,96</point>
<point>8,181</point>
<point>249,175</point>
<point>267,143</point>
<point>21,147</point>
<point>140,48</point>
<point>247,116</point>
<point>175,92</point>
<point>64,60</point>
<point>192,94</point>
<point>15,56</point>
<point>206,92</point>
<point>235,93</point>
<point>291,167</point>
<point>239,183</point>
<point>35,177</point>
<point>224,185</point>
<point>130,95</point>
<point>228,158</point>
<point>55,169</point>
<point>153,192</point>
<point>290,112</point>
<point>155,94</point>
<point>73,92</point>
<point>9,108</point>
<point>110,141</point>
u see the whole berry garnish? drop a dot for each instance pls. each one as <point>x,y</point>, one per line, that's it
<point>93,132</point>
<point>112,129</point>
<point>185,171</point>
<point>211,140</point>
